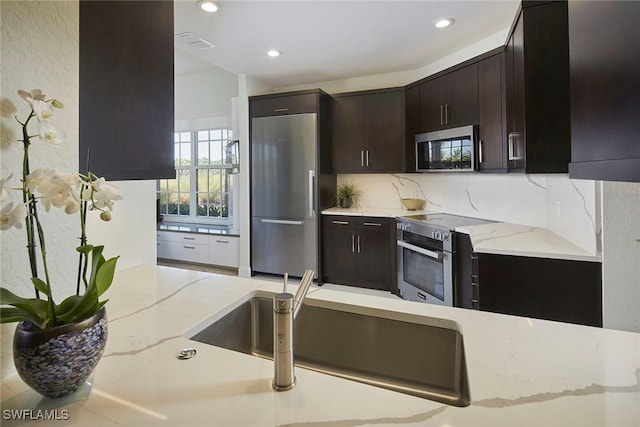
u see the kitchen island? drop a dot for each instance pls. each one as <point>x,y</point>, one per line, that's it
<point>522,372</point>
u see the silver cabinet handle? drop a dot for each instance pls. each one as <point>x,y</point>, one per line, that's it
<point>375,224</point>
<point>512,146</point>
<point>367,158</point>
<point>353,243</point>
<point>480,156</point>
<point>362,158</point>
<point>358,243</point>
<point>189,238</point>
<point>441,115</point>
<point>446,114</point>
<point>281,110</point>
<point>189,247</point>
<point>281,221</point>
<point>222,241</point>
<point>419,250</point>
<point>340,222</point>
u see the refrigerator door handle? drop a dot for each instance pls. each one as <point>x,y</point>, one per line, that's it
<point>312,194</point>
<point>281,221</point>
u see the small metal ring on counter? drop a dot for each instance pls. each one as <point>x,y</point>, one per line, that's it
<point>187,353</point>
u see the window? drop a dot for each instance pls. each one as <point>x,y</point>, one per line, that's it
<point>205,161</point>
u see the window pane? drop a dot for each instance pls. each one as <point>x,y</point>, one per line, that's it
<point>173,204</point>
<point>184,176</point>
<point>176,137</point>
<point>203,135</point>
<point>203,180</point>
<point>216,134</point>
<point>185,153</point>
<point>216,152</point>
<point>214,180</point>
<point>202,204</point>
<point>185,136</point>
<point>203,152</point>
<point>172,185</point>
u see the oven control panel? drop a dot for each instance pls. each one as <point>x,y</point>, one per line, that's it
<point>443,236</point>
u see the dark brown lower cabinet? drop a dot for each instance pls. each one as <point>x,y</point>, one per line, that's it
<point>542,288</point>
<point>359,251</point>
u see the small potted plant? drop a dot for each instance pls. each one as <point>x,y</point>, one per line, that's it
<point>56,345</point>
<point>348,195</point>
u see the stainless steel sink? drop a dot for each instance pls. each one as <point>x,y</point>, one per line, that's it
<point>415,355</point>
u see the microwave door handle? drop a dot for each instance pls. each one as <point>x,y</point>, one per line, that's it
<point>419,250</point>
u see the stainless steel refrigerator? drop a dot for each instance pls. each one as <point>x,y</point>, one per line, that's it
<point>283,194</point>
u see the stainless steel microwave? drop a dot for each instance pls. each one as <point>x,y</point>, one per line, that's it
<point>449,150</point>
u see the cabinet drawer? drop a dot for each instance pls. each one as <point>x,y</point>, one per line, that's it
<point>338,221</point>
<point>224,251</point>
<point>281,105</point>
<point>184,251</point>
<point>379,223</point>
<point>168,236</point>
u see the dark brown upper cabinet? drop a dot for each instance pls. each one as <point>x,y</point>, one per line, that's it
<point>126,98</point>
<point>491,115</point>
<point>537,89</point>
<point>450,100</point>
<point>605,89</point>
<point>368,131</point>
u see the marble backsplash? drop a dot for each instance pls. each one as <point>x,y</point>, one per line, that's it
<point>569,208</point>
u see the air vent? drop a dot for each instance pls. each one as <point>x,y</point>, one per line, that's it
<point>194,40</point>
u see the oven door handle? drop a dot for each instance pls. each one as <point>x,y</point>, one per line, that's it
<point>418,249</point>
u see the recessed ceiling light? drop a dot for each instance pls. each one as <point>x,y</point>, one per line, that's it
<point>273,53</point>
<point>443,23</point>
<point>208,5</point>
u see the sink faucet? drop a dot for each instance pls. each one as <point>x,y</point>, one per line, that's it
<point>285,310</point>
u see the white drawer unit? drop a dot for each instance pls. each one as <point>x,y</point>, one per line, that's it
<point>183,246</point>
<point>211,249</point>
<point>224,250</point>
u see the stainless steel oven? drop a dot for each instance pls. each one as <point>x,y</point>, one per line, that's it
<point>426,256</point>
<point>425,263</point>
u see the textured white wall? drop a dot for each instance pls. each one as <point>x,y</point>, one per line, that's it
<point>40,50</point>
<point>621,251</point>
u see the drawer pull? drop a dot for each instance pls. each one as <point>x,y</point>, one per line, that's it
<point>375,224</point>
<point>340,222</point>
<point>280,110</point>
<point>475,301</point>
<point>189,247</point>
<point>189,238</point>
<point>222,241</point>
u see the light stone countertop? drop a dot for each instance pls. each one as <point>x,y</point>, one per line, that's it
<point>522,372</point>
<point>500,238</point>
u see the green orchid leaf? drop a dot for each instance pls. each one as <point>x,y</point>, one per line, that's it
<point>35,307</point>
<point>13,314</point>
<point>67,306</point>
<point>96,261</point>
<point>105,274</point>
<point>41,286</point>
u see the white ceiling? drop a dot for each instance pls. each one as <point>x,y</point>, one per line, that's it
<point>330,40</point>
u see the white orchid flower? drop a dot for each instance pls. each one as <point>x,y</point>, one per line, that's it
<point>36,176</point>
<point>3,191</point>
<point>12,215</point>
<point>34,95</point>
<point>104,194</point>
<point>42,110</point>
<point>59,190</point>
<point>49,133</point>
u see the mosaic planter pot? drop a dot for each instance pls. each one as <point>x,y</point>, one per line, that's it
<point>56,361</point>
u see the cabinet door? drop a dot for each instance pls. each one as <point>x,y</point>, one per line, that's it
<point>491,108</point>
<point>432,100</point>
<point>604,90</point>
<point>348,133</point>
<point>461,99</point>
<point>384,132</point>
<point>282,105</point>
<point>412,125</point>
<point>126,99</point>
<point>514,57</point>
<point>375,254</point>
<point>339,250</point>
